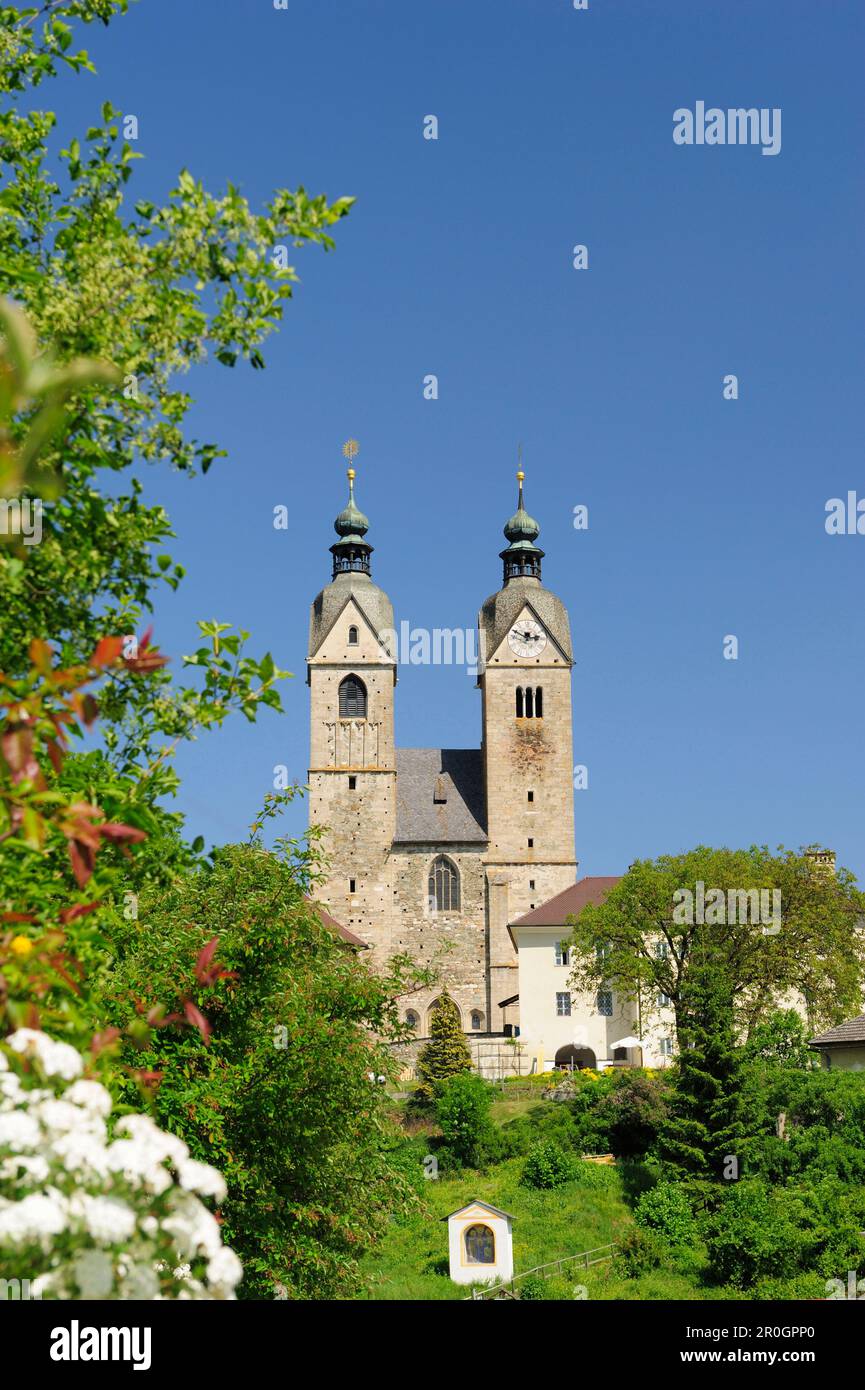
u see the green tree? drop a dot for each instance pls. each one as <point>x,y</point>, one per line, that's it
<point>640,943</point>
<point>276,1084</point>
<point>447,1052</point>
<point>116,299</point>
<point>703,1130</point>
<point>151,289</point>
<point>463,1113</point>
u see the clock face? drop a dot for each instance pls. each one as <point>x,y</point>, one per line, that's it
<point>527,638</point>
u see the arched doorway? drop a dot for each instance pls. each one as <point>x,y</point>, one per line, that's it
<point>575,1058</point>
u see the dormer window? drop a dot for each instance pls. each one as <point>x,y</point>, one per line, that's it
<point>352,637</point>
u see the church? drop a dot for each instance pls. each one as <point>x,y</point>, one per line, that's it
<point>462,858</point>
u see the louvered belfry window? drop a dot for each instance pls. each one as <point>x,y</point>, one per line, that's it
<point>444,886</point>
<point>352,698</point>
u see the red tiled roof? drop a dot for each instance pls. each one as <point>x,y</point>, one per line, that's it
<point>569,903</point>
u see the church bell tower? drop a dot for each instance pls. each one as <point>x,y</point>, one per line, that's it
<point>527,750</point>
<point>351,673</point>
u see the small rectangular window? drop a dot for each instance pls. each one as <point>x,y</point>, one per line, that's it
<point>531,844</point>
<point>531,883</point>
<point>352,783</point>
<point>531,796</point>
<point>663,1000</point>
<point>563,955</point>
<point>351,884</point>
<point>605,1003</point>
<point>665,1047</point>
<point>563,1005</point>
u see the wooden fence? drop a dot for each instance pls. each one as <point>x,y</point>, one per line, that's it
<point>547,1271</point>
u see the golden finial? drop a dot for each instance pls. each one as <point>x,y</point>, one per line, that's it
<point>350,450</point>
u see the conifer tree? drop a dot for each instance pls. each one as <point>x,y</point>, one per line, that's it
<point>703,1131</point>
<point>447,1052</point>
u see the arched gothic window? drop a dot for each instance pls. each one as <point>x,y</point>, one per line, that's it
<point>480,1245</point>
<point>352,637</point>
<point>477,1020</point>
<point>444,886</point>
<point>352,698</point>
<point>412,1019</point>
<point>530,702</point>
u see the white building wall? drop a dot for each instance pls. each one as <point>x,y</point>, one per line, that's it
<point>543,1031</point>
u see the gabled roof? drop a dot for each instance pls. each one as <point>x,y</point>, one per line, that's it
<point>327,606</point>
<point>853,1031</point>
<point>476,1202</point>
<point>569,903</point>
<point>501,610</point>
<point>440,796</point>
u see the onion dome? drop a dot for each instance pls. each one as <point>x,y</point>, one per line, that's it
<point>351,552</point>
<point>522,558</point>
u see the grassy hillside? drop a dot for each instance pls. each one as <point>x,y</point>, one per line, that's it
<point>412,1263</point>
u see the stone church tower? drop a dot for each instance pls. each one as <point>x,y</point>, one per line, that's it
<point>433,851</point>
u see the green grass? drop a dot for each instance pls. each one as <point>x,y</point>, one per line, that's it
<point>412,1263</point>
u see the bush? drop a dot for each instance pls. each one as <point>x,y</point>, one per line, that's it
<point>635,1109</point>
<point>278,1087</point>
<point>534,1288</point>
<point>639,1252</point>
<point>544,1121</point>
<point>463,1112</point>
<point>759,1233</point>
<point>666,1210</point>
<point>99,1220</point>
<point>548,1166</point>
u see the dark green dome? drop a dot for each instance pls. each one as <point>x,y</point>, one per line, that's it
<point>351,552</point>
<point>522,558</point>
<point>522,527</point>
<point>351,520</point>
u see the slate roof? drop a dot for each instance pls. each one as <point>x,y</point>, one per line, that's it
<point>440,796</point>
<point>569,903</point>
<point>853,1031</point>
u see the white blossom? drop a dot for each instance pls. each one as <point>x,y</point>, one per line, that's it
<point>108,1219</point>
<point>224,1271</point>
<point>60,1178</point>
<point>201,1178</point>
<point>37,1217</point>
<point>19,1131</point>
<point>56,1058</point>
<point>91,1096</point>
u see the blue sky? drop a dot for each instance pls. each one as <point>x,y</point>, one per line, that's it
<point>706,516</point>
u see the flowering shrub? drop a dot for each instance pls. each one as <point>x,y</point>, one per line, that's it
<point>84,1218</point>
